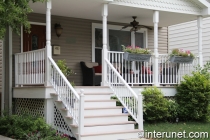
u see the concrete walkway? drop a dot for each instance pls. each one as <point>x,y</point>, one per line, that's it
<point>5,138</point>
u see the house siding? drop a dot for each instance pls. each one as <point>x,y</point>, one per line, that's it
<point>185,36</point>
<point>76,41</point>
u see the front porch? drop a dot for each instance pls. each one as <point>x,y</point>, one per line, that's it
<point>37,76</point>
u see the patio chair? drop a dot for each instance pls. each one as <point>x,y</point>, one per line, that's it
<point>89,76</point>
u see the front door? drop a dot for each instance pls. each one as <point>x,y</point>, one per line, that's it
<point>36,39</point>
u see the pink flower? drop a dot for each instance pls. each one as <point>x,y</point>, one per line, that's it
<point>188,52</point>
<point>137,47</point>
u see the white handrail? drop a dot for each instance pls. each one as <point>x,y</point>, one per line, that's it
<point>124,93</point>
<point>39,50</point>
<point>65,91</point>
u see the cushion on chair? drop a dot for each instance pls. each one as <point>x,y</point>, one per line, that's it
<point>98,69</point>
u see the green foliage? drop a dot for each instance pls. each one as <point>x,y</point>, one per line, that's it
<point>155,105</point>
<point>26,127</point>
<point>172,110</point>
<point>193,95</point>
<point>64,68</point>
<point>182,52</point>
<point>14,13</point>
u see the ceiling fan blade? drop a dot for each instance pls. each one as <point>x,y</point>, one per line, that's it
<point>142,26</point>
<point>125,26</point>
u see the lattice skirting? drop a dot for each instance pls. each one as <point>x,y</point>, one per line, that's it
<point>60,124</point>
<point>34,107</point>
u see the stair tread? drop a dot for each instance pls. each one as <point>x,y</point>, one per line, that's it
<point>114,123</point>
<point>100,100</point>
<point>109,115</point>
<point>94,108</point>
<point>97,93</point>
<point>112,132</point>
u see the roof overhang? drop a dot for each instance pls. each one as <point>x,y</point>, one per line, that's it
<point>171,11</point>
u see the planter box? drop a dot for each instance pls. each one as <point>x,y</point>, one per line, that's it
<point>136,57</point>
<point>181,59</point>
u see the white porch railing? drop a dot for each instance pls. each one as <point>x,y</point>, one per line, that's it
<point>65,91</point>
<point>134,73</point>
<point>30,67</point>
<point>125,94</point>
<point>141,73</point>
<point>172,73</point>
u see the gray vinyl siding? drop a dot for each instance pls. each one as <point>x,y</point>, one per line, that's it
<point>162,40</point>
<point>76,41</point>
<point>185,36</point>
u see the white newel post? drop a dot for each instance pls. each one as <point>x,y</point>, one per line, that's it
<point>104,51</point>
<point>155,69</point>
<point>200,25</point>
<point>81,113</point>
<point>140,112</point>
<point>48,49</point>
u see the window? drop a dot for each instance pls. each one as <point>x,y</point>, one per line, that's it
<point>116,38</point>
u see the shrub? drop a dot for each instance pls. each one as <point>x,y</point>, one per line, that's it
<point>155,105</point>
<point>27,127</point>
<point>193,94</point>
<point>172,110</point>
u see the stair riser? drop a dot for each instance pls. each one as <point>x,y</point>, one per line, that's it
<point>123,136</point>
<point>103,111</point>
<point>108,128</point>
<point>106,119</point>
<point>97,97</point>
<point>94,90</point>
<point>99,104</point>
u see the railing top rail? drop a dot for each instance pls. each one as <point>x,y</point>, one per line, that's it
<point>39,50</point>
<point>64,78</point>
<point>114,52</point>
<point>121,79</point>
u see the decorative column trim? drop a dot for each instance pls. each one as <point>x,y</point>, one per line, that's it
<point>200,39</point>
<point>48,48</point>
<point>104,51</point>
<point>156,70</point>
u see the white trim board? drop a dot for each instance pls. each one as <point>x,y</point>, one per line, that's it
<point>116,27</point>
<point>21,34</point>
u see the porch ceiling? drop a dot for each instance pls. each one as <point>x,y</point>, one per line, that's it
<point>87,9</point>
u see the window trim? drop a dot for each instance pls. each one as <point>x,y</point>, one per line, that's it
<point>116,27</point>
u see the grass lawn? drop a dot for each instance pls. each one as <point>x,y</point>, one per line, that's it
<point>180,127</point>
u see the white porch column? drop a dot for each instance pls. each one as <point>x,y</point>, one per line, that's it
<point>104,51</point>
<point>200,25</point>
<point>155,65</point>
<point>48,51</point>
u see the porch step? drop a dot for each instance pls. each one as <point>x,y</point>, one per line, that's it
<point>102,118</point>
<point>111,135</point>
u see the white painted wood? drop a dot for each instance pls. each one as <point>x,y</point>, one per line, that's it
<point>81,114</point>
<point>106,119</point>
<point>155,71</point>
<point>97,97</point>
<point>48,42</point>
<point>140,112</point>
<point>29,68</point>
<point>104,128</point>
<point>99,103</point>
<point>104,51</point>
<point>100,111</point>
<point>200,26</point>
<point>114,136</point>
<point>49,111</point>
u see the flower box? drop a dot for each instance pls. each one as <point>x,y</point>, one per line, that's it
<point>181,59</point>
<point>136,57</point>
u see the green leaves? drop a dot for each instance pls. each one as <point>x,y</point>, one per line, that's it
<point>14,13</point>
<point>193,95</point>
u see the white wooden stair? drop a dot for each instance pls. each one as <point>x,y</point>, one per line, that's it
<point>103,120</point>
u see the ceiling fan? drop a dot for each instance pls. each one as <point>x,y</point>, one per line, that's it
<point>135,25</point>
